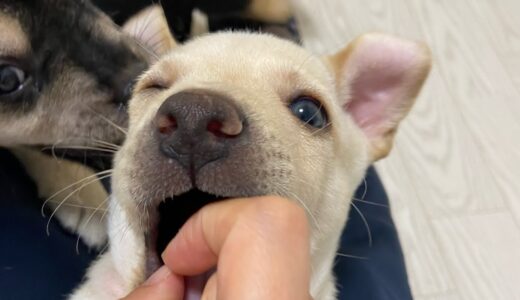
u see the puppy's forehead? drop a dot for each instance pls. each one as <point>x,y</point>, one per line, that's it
<point>13,40</point>
<point>247,55</point>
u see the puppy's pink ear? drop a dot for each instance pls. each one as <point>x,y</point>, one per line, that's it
<point>378,78</point>
<point>150,28</point>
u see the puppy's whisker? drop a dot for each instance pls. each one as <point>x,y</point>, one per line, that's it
<point>143,26</point>
<point>156,44</point>
<point>77,142</point>
<point>105,212</point>
<point>78,206</point>
<point>152,37</point>
<point>304,62</point>
<point>110,122</point>
<point>68,197</point>
<point>362,200</point>
<point>313,133</point>
<point>365,188</point>
<point>104,143</point>
<point>93,178</point>
<point>302,203</point>
<point>80,148</point>
<point>364,219</point>
<point>310,119</point>
<point>369,202</point>
<point>351,256</point>
<point>104,249</point>
<point>148,51</point>
<point>84,225</point>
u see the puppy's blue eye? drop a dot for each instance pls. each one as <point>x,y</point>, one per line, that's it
<point>11,79</point>
<point>309,111</point>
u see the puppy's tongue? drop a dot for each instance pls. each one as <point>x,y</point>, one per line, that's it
<point>195,285</point>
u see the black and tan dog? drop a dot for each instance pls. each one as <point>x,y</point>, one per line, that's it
<point>66,74</point>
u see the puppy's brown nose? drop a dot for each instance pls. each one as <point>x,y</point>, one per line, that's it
<point>198,127</point>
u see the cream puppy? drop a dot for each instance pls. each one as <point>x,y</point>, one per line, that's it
<point>239,114</point>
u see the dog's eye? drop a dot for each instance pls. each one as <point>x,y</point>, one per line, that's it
<point>11,79</point>
<point>309,111</point>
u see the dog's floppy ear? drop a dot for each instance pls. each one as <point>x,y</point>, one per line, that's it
<point>378,78</point>
<point>150,28</point>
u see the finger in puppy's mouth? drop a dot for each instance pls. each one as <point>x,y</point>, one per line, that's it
<point>170,215</point>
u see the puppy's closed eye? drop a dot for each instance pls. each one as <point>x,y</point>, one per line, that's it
<point>154,81</point>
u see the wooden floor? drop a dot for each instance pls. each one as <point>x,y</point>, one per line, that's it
<point>454,176</point>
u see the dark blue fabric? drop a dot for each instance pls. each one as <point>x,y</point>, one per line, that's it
<point>36,266</point>
<point>377,270</point>
<point>33,265</point>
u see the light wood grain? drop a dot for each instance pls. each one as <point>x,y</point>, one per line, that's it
<point>453,177</point>
<point>480,251</point>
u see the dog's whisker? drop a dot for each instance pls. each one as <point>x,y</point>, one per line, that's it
<point>68,197</point>
<point>314,115</point>
<point>365,184</point>
<point>143,26</point>
<point>78,206</point>
<point>313,133</point>
<point>156,44</point>
<point>152,37</point>
<point>104,249</point>
<point>148,51</point>
<point>351,256</point>
<point>365,221</point>
<point>371,203</point>
<point>69,147</point>
<point>93,178</point>
<point>304,62</point>
<point>77,142</point>
<point>104,143</point>
<point>85,224</point>
<point>302,203</point>
<point>110,122</point>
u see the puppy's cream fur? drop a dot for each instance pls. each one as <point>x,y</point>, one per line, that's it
<point>366,89</point>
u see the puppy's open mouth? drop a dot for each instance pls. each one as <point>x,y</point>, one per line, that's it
<point>171,215</point>
<point>174,212</point>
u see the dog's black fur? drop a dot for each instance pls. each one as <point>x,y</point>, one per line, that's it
<point>64,32</point>
<point>70,42</point>
<point>178,12</point>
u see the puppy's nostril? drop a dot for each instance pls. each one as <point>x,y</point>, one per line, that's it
<point>224,129</point>
<point>167,124</point>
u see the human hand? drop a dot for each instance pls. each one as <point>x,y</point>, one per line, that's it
<point>260,247</point>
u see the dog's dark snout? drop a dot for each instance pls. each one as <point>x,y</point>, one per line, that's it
<point>198,127</point>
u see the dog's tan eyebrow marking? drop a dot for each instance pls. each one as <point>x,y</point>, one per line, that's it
<point>13,41</point>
